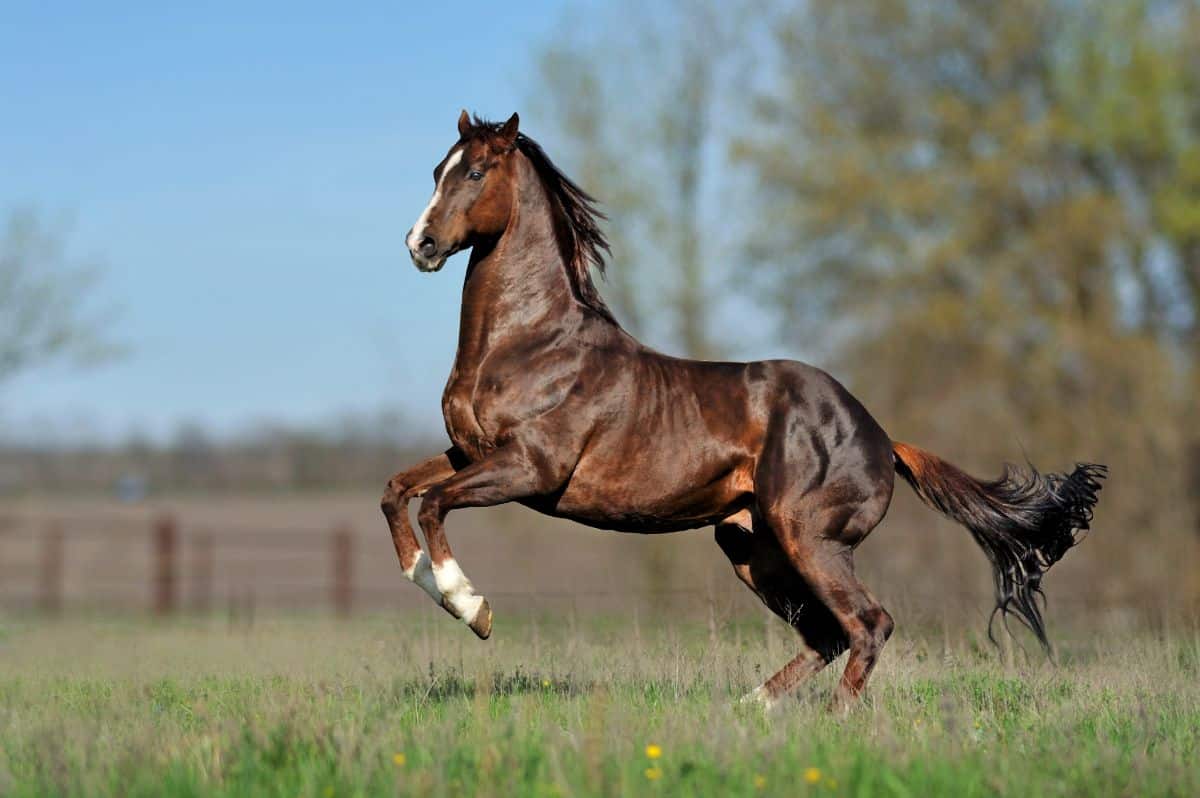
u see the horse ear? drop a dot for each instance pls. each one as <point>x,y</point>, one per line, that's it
<point>508,131</point>
<point>464,124</point>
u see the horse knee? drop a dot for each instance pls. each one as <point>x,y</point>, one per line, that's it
<point>397,495</point>
<point>393,496</point>
<point>431,509</point>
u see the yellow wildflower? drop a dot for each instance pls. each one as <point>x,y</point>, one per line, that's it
<point>812,775</point>
<point>653,774</point>
<point>831,783</point>
<point>653,751</point>
<point>545,682</point>
<point>760,781</point>
<point>399,759</point>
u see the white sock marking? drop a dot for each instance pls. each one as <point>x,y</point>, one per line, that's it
<point>418,230</point>
<point>457,590</point>
<point>761,696</point>
<point>422,574</point>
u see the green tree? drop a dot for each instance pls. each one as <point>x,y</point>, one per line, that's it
<point>633,99</point>
<point>46,310</point>
<point>985,215</point>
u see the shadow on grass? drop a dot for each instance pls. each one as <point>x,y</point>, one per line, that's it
<point>443,685</point>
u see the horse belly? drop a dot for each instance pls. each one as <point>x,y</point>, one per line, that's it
<point>652,495</point>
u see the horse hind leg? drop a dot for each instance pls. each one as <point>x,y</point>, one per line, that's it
<point>762,565</point>
<point>821,551</point>
<point>865,621</point>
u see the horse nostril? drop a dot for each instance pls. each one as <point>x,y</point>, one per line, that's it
<point>428,247</point>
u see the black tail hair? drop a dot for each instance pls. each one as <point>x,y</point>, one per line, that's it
<point>1024,521</point>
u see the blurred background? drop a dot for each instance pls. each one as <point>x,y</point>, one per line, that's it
<point>984,218</point>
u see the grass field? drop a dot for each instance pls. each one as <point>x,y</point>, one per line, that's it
<point>413,705</point>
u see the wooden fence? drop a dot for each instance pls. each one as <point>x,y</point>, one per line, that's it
<point>168,564</point>
<point>36,559</point>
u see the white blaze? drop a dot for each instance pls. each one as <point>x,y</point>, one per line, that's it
<point>422,574</point>
<point>457,590</point>
<point>418,231</point>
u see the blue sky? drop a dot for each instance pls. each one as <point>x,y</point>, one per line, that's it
<point>245,173</point>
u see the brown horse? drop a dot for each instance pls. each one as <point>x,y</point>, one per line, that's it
<point>551,404</point>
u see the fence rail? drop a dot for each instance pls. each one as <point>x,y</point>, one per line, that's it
<point>164,566</point>
<point>37,576</point>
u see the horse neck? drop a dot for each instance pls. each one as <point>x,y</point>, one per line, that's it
<point>518,286</point>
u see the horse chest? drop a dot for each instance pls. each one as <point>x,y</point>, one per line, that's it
<point>473,407</point>
<point>486,406</point>
<point>462,421</point>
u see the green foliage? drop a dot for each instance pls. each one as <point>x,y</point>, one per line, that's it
<point>46,309</point>
<point>316,708</point>
<point>636,114</point>
<point>984,217</point>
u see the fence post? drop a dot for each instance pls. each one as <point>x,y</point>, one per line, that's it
<point>202,572</point>
<point>343,570</point>
<point>165,537</point>
<point>51,597</point>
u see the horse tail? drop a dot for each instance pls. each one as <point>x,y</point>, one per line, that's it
<point>1024,521</point>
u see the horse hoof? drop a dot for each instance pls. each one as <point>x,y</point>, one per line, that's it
<point>841,706</point>
<point>481,625</point>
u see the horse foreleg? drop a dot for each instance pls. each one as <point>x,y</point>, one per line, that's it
<point>508,474</point>
<point>400,490</point>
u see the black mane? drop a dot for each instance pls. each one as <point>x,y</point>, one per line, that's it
<point>577,218</point>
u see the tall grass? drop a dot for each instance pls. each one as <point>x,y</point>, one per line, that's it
<point>413,705</point>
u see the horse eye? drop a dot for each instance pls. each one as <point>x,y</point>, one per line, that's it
<point>475,175</point>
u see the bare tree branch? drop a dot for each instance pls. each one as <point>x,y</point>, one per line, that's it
<point>47,310</point>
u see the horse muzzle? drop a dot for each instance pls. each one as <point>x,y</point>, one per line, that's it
<point>426,255</point>
<point>427,264</point>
